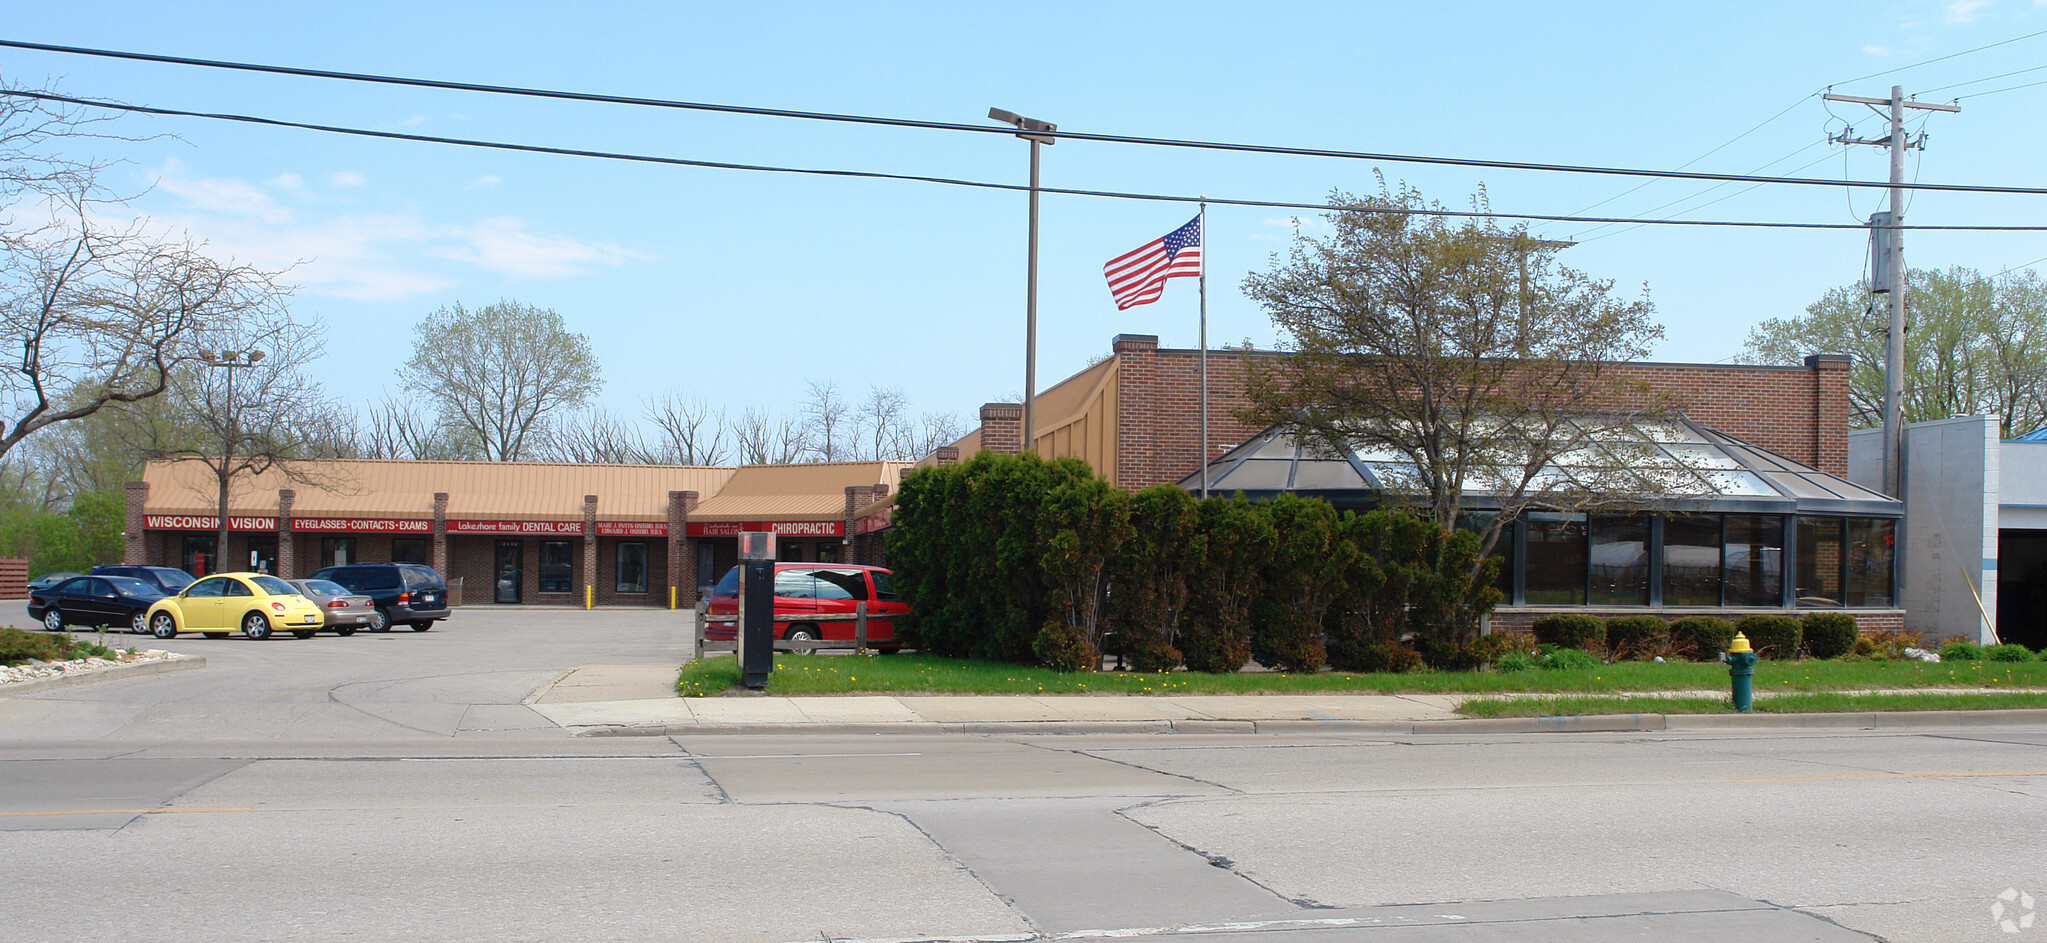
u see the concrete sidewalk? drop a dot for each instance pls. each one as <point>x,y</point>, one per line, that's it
<point>629,699</point>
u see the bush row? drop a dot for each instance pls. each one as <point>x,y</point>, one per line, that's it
<point>1701,638</point>
<point>1014,558</point>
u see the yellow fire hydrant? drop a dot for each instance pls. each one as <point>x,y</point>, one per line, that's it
<point>1741,673</point>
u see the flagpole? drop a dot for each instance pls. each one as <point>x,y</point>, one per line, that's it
<point>1203,229</point>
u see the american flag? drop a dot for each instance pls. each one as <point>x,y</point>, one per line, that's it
<point>1138,277</point>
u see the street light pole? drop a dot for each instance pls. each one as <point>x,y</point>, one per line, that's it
<point>1037,132</point>
<point>227,360</point>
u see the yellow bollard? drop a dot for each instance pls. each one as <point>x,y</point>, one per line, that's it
<point>586,595</point>
<point>671,597</point>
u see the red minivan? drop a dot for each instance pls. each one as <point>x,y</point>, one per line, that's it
<point>806,588</point>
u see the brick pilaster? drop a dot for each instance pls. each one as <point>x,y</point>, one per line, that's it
<point>441,534</point>
<point>134,551</point>
<point>682,554</point>
<point>1002,427</point>
<point>287,557</point>
<point>590,542</point>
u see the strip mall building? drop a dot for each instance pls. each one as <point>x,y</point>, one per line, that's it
<point>1785,530</point>
<point>511,532</point>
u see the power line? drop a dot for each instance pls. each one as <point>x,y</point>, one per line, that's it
<point>952,181</point>
<point>1987,78</point>
<point>1954,55</point>
<point>2008,88</point>
<point>987,129</point>
<point>1723,145</point>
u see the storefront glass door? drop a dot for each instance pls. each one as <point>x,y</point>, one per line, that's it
<point>511,565</point>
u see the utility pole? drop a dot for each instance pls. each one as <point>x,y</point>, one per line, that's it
<point>1889,235</point>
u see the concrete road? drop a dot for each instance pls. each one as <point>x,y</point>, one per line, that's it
<point>1790,836</point>
<point>467,677</point>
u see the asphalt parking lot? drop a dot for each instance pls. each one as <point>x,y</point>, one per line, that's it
<point>467,677</point>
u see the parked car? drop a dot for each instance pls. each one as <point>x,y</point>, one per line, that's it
<point>48,580</point>
<point>343,611</point>
<point>409,593</point>
<point>257,603</point>
<point>94,601</point>
<point>170,579</point>
<point>821,589</point>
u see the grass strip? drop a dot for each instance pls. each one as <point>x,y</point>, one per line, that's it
<point>931,674</point>
<point>1816,703</point>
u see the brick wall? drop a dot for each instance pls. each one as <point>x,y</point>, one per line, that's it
<point>1798,412</point>
<point>1002,427</point>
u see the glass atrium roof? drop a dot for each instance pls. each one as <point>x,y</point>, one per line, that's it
<point>1691,466</point>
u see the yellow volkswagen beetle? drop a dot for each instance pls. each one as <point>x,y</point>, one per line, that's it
<point>253,602</point>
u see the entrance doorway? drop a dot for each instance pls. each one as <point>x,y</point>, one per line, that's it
<point>195,555</point>
<point>263,555</point>
<point>2022,587</point>
<point>511,565</point>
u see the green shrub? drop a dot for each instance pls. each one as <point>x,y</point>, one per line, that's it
<point>1373,657</point>
<point>1215,651</point>
<point>1563,659</point>
<point>1569,630</point>
<point>1701,638</point>
<point>2008,652</point>
<point>18,647</point>
<point>1774,637</point>
<point>1064,648</point>
<point>1637,636</point>
<point>1831,634</point>
<point>1514,661</point>
<point>1961,650</point>
<point>1151,655</point>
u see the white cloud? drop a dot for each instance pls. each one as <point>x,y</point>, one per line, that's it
<point>1963,12</point>
<point>287,181</point>
<point>1875,50</point>
<point>414,121</point>
<point>503,244</point>
<point>491,180</point>
<point>345,178</point>
<point>234,198</point>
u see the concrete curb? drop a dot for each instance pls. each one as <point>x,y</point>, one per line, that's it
<point>1592,723</point>
<point>137,670</point>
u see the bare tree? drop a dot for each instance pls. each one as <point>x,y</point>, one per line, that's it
<point>933,430</point>
<point>400,428</point>
<point>688,430</point>
<point>598,436</point>
<point>879,422</point>
<point>763,438</point>
<point>503,372</point>
<point>825,416</point>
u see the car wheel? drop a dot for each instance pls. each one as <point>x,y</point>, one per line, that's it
<point>139,622</point>
<point>53,619</point>
<point>802,633</point>
<point>163,626</point>
<point>345,631</point>
<point>255,626</point>
<point>422,626</point>
<point>302,633</point>
<point>380,621</point>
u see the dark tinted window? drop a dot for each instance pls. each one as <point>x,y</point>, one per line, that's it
<point>883,588</point>
<point>275,586</point>
<point>840,584</point>
<point>103,588</point>
<point>234,588</point>
<point>131,585</point>
<point>365,578</point>
<point>557,564</point>
<point>728,585</point>
<point>325,587</point>
<point>77,585</point>
<point>167,577</point>
<point>795,584</point>
<point>419,577</point>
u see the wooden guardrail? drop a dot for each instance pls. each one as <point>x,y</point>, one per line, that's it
<point>13,577</point>
<point>857,643</point>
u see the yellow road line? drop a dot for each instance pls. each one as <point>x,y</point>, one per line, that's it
<point>1785,779</point>
<point>121,811</point>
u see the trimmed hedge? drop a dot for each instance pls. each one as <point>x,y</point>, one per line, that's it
<point>2008,652</point>
<point>1637,636</point>
<point>1569,630</point>
<point>1701,638</point>
<point>1773,637</point>
<point>1373,656</point>
<point>1830,634</point>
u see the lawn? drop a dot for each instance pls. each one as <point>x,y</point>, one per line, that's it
<point>1804,703</point>
<point>930,674</point>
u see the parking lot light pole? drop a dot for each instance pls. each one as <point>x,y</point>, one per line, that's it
<point>1037,132</point>
<point>227,360</point>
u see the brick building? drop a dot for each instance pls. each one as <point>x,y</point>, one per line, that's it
<point>507,532</point>
<point>1787,532</point>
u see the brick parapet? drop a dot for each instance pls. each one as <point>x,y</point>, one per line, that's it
<point>1002,427</point>
<point>287,543</point>
<point>134,539</point>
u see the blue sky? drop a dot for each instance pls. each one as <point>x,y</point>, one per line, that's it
<point>739,287</point>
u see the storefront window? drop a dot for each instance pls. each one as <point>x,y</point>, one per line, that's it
<point>408,550</point>
<point>555,567</point>
<point>632,567</point>
<point>1870,541</point>
<point>197,555</point>
<point>1691,560</point>
<point>1755,560</point>
<point>337,551</point>
<point>1556,559</point>
<point>1819,562</point>
<point>1619,560</point>
<point>1476,522</point>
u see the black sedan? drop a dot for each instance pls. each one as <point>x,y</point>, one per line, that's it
<point>93,601</point>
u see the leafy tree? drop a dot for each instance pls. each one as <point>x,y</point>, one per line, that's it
<point>502,372</point>
<point>1973,345</point>
<point>1303,574</point>
<point>1083,523</point>
<point>1152,576</point>
<point>1215,633</point>
<point>1459,358</point>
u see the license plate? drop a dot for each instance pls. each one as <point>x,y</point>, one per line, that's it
<point>313,618</point>
<point>429,600</point>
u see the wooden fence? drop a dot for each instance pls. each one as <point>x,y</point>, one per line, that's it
<point>13,577</point>
<point>857,643</point>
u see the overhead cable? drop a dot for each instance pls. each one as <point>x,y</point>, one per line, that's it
<point>951,181</point>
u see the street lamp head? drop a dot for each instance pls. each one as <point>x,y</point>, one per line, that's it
<point>255,355</point>
<point>206,354</point>
<point>1039,131</point>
